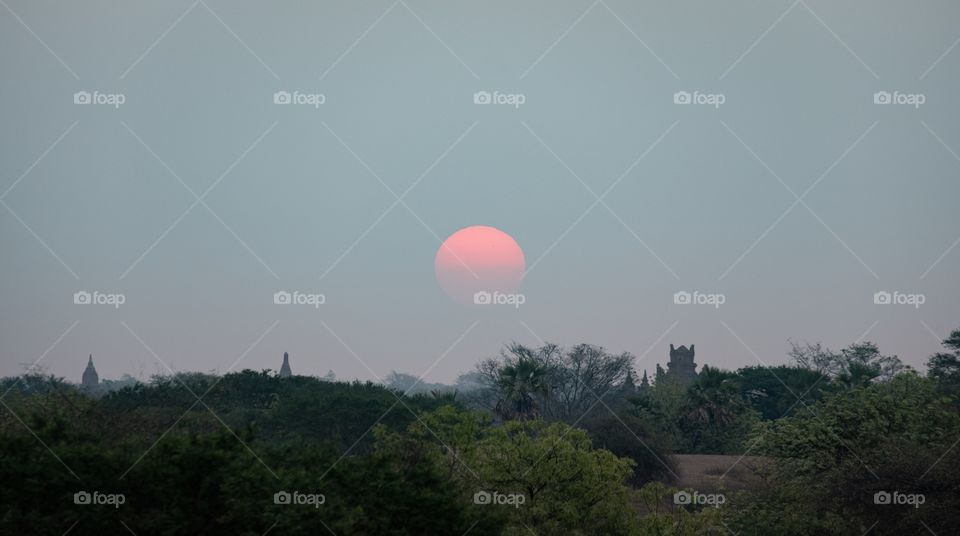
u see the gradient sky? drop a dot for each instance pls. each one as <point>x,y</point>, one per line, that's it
<point>699,200</point>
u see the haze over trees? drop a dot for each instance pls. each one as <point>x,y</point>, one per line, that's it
<point>544,439</point>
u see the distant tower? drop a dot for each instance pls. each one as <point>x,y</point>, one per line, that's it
<point>91,380</point>
<point>628,388</point>
<point>681,367</point>
<point>285,367</point>
<point>644,383</point>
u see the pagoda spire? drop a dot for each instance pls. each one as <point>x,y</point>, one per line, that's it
<point>90,378</point>
<point>285,371</point>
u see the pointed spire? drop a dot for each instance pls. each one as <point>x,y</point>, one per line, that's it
<point>285,371</point>
<point>90,378</point>
<point>629,387</point>
<point>660,375</point>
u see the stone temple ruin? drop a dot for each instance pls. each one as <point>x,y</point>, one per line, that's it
<point>681,368</point>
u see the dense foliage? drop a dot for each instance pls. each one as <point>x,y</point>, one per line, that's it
<point>542,440</point>
<point>832,458</point>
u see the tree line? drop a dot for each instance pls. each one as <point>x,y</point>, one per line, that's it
<point>545,439</point>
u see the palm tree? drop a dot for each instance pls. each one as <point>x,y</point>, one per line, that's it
<point>713,407</point>
<point>520,383</point>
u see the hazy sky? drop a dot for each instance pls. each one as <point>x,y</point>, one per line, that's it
<point>304,198</point>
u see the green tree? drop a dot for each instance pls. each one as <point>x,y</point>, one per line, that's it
<point>553,383</point>
<point>659,408</point>
<point>853,367</point>
<point>568,486</point>
<point>709,417</point>
<point>662,517</point>
<point>714,418</point>
<point>221,482</point>
<point>944,367</point>
<point>776,391</point>
<point>627,436</point>
<point>583,376</point>
<point>521,384</point>
<point>832,458</point>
